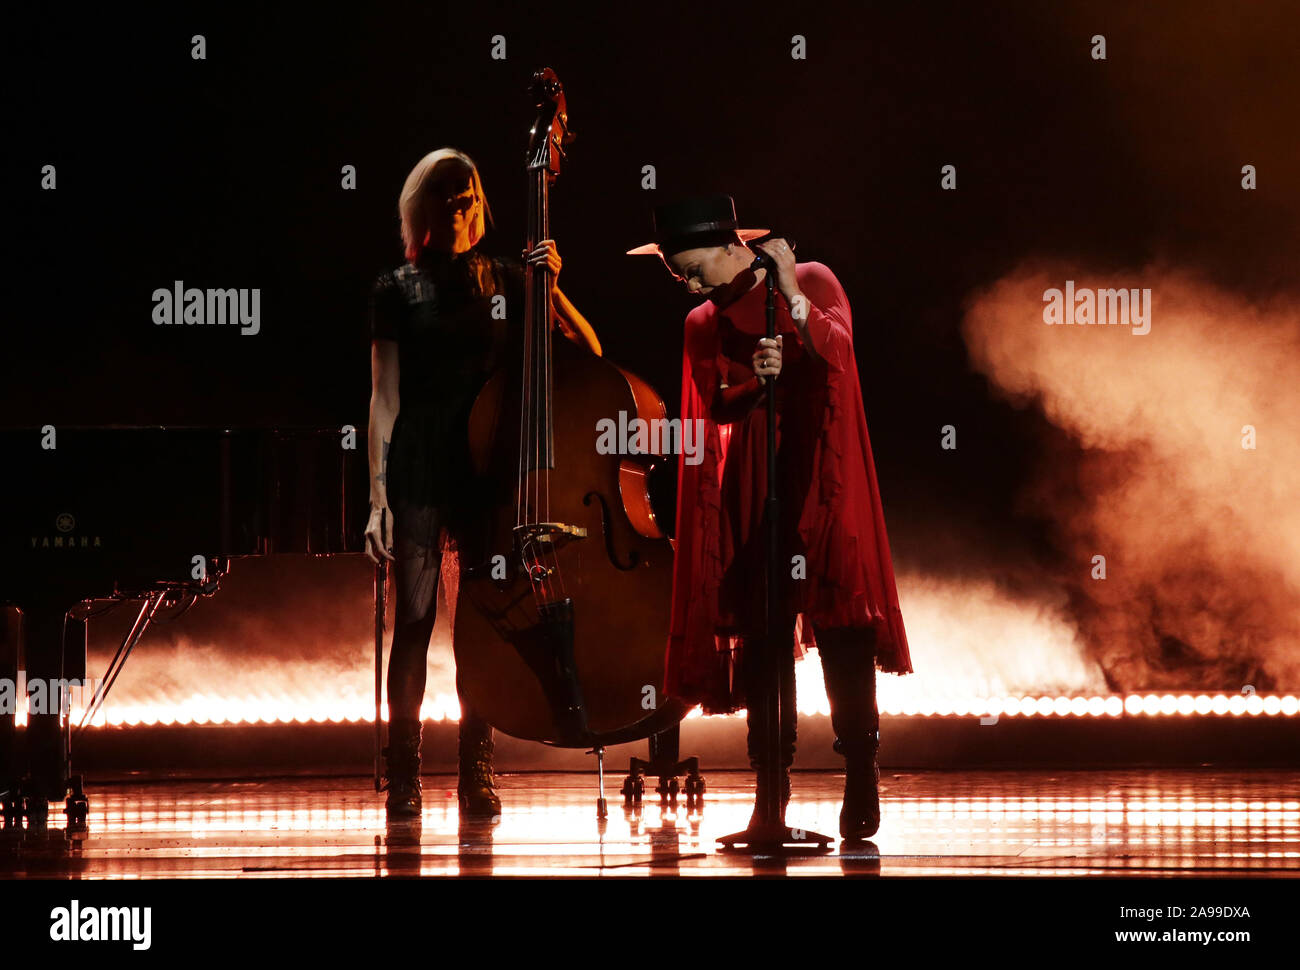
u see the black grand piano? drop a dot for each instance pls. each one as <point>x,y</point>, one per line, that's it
<point>148,519</point>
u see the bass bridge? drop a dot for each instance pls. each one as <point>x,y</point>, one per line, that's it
<point>538,540</point>
<point>547,532</point>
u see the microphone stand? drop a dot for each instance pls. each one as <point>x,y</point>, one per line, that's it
<point>768,831</point>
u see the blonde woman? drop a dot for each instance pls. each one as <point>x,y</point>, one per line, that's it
<point>434,341</point>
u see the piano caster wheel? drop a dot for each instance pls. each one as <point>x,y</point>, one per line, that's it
<point>694,788</point>
<point>633,789</point>
<point>667,790</point>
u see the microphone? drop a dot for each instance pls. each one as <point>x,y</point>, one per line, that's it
<point>761,259</point>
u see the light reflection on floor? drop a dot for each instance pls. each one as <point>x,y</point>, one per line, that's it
<point>1133,822</point>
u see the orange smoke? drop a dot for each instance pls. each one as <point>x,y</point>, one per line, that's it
<point>1201,536</point>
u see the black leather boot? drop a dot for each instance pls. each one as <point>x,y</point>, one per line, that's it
<point>860,813</point>
<point>402,771</point>
<point>849,667</point>
<point>474,783</point>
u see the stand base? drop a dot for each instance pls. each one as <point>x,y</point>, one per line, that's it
<point>775,835</point>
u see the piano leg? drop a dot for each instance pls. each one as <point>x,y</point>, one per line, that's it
<point>10,766</point>
<point>53,650</point>
<point>43,641</point>
<point>50,650</point>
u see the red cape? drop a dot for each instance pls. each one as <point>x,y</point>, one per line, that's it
<point>850,574</point>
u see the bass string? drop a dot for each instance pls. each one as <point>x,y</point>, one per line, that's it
<point>548,337</point>
<point>527,428</point>
<point>550,419</point>
<point>524,406</point>
<point>539,455</point>
<point>546,432</point>
<point>526,399</point>
<point>533,404</point>
<point>537,326</point>
<point>533,495</point>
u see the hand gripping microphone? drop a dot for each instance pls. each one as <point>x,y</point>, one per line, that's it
<point>761,259</point>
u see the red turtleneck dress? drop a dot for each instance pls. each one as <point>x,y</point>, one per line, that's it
<point>830,509</point>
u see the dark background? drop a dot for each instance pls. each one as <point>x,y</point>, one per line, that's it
<point>226,173</point>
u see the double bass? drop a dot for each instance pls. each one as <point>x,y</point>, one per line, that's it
<point>565,587</point>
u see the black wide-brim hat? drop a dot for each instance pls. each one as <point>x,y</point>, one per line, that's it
<point>677,223</point>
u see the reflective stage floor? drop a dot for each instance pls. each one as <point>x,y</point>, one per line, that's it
<point>1206,822</point>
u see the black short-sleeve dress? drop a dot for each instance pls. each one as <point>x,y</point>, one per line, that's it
<point>451,331</point>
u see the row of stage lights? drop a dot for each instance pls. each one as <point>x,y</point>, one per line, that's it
<point>202,710</point>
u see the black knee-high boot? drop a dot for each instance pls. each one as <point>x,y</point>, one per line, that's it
<point>402,757</point>
<point>849,668</point>
<point>474,782</point>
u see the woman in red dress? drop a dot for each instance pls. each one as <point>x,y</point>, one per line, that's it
<point>838,593</point>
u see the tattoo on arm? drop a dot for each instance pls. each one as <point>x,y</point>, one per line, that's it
<point>382,477</point>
